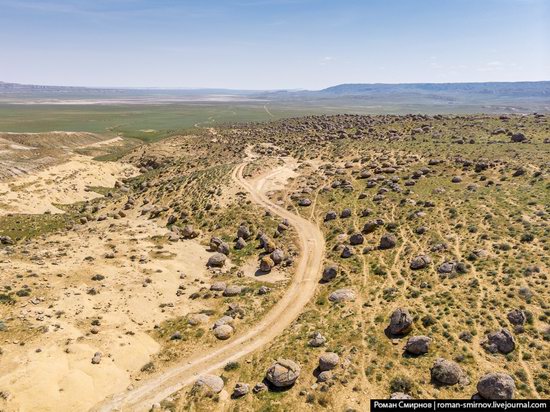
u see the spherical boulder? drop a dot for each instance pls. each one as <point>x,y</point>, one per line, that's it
<point>283,373</point>
<point>446,372</point>
<point>331,215</point>
<point>218,286</point>
<point>401,322</point>
<point>499,341</point>
<point>266,264</point>
<point>387,241</point>
<point>356,239</point>
<point>496,386</point>
<point>316,340</point>
<point>209,383</point>
<point>328,361</point>
<point>240,243</point>
<point>188,232</point>
<point>216,260</point>
<point>243,232</point>
<point>324,376</point>
<point>241,389</point>
<point>516,317</point>
<point>347,252</point>
<point>341,295</point>
<point>420,262</point>
<point>224,320</point>
<point>223,332</point>
<point>345,213</point>
<point>277,256</point>
<point>214,243</point>
<point>232,290</point>
<point>195,319</point>
<point>518,138</point>
<point>224,248</point>
<point>418,345</point>
<point>329,273</point>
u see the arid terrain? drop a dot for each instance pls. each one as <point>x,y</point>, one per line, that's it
<point>308,263</point>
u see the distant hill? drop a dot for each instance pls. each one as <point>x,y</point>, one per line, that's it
<point>490,88</point>
<point>491,97</point>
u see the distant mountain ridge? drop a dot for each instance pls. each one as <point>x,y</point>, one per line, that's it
<point>495,97</point>
<point>540,88</point>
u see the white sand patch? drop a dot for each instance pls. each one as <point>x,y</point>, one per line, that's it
<point>105,142</point>
<point>65,183</point>
<point>21,147</point>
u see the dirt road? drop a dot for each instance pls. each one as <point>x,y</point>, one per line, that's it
<point>299,292</point>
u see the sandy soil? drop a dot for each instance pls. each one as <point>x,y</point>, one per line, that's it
<point>53,372</point>
<point>283,313</point>
<point>106,142</point>
<point>64,183</point>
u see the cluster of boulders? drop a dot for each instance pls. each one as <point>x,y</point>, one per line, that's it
<point>272,256</point>
<point>447,372</point>
<point>282,374</point>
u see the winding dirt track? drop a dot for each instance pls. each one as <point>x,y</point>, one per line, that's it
<point>299,292</point>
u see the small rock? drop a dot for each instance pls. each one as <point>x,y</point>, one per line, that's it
<point>342,295</point>
<point>317,340</point>
<point>329,273</point>
<point>232,290</point>
<point>240,390</point>
<point>259,387</point>
<point>420,262</point>
<point>96,358</point>
<point>328,361</point>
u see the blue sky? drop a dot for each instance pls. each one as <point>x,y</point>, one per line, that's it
<point>270,44</point>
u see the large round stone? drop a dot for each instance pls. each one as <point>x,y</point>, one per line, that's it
<point>328,361</point>
<point>496,386</point>
<point>283,373</point>
<point>210,383</point>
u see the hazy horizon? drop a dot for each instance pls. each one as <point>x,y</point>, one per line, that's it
<point>258,90</point>
<point>272,44</point>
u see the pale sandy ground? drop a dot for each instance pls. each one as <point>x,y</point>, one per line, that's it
<point>54,380</point>
<point>25,153</point>
<point>64,183</point>
<point>107,142</point>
